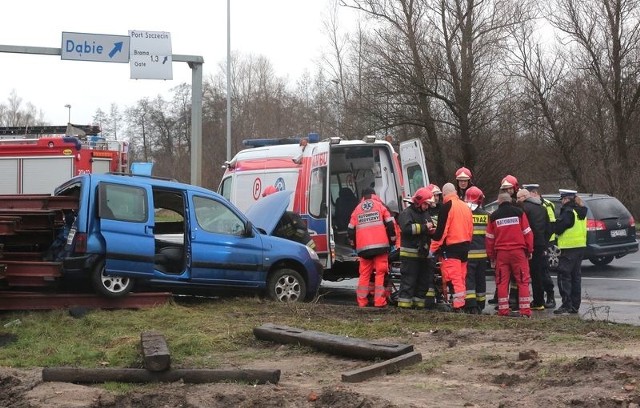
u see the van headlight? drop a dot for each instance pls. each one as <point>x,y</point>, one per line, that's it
<point>312,254</point>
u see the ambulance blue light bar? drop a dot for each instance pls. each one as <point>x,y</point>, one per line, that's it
<point>311,138</point>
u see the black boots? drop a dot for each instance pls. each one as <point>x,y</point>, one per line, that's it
<point>551,301</point>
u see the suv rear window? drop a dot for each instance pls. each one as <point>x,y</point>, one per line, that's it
<point>604,208</point>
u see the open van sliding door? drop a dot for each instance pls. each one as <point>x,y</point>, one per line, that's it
<point>126,224</point>
<point>319,199</point>
<point>414,168</point>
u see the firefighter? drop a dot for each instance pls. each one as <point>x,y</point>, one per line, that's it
<point>291,226</point>
<point>476,293</point>
<point>434,208</point>
<point>551,238</point>
<point>416,272</point>
<point>463,181</point>
<point>509,184</point>
<point>371,232</point>
<point>571,228</point>
<point>509,243</point>
<point>451,242</point>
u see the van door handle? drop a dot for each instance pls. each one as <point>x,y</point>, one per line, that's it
<point>148,229</point>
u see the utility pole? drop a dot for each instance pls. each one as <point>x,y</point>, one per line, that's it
<point>335,81</point>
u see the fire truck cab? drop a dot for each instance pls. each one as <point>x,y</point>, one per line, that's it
<point>327,178</point>
<point>35,160</point>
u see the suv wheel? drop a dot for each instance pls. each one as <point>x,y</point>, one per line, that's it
<point>553,256</point>
<point>286,285</point>
<point>110,286</point>
<point>601,260</point>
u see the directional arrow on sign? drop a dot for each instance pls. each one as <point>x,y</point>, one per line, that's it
<point>117,47</point>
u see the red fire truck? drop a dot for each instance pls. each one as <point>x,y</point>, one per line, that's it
<point>36,159</point>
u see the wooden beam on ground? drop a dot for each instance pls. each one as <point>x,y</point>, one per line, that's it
<point>155,351</point>
<point>386,367</point>
<point>140,375</point>
<point>331,343</point>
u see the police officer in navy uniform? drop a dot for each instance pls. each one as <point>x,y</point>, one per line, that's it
<point>571,228</point>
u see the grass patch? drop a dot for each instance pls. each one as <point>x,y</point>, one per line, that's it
<point>201,332</point>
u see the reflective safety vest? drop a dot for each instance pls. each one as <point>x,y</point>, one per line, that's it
<point>368,220</point>
<point>477,249</point>
<point>551,213</point>
<point>576,236</point>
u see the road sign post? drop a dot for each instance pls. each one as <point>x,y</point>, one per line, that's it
<point>150,55</point>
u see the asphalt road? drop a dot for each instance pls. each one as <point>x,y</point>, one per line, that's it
<point>610,293</point>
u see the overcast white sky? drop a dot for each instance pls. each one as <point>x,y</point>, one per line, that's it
<point>287,32</point>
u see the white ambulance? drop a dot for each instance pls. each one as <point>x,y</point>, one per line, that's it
<point>327,178</point>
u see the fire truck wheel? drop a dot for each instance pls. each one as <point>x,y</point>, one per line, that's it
<point>110,286</point>
<point>286,285</point>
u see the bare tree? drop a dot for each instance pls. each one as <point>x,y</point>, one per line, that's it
<point>604,39</point>
<point>15,114</point>
<point>440,58</point>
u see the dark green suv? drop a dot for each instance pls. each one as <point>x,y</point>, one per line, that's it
<point>611,229</point>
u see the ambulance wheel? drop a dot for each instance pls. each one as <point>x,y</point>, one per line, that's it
<point>110,286</point>
<point>286,285</point>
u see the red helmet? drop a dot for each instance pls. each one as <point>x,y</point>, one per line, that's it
<point>269,190</point>
<point>422,195</point>
<point>509,182</point>
<point>474,195</point>
<point>434,189</point>
<point>463,173</point>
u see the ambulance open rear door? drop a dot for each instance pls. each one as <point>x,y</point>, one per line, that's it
<point>414,168</point>
<point>319,222</point>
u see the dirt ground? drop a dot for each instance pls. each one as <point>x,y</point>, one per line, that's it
<point>516,367</point>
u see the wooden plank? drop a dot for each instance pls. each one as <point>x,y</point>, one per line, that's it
<point>330,343</point>
<point>155,351</point>
<point>386,367</point>
<point>138,375</point>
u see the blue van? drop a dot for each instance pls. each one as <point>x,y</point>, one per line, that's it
<point>132,228</point>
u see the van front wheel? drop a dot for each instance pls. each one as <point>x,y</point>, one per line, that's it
<point>110,286</point>
<point>286,285</point>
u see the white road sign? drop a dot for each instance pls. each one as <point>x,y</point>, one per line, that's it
<point>95,47</point>
<point>150,55</point>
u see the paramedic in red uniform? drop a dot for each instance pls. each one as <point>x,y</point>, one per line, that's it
<point>509,242</point>
<point>371,231</point>
<point>451,242</point>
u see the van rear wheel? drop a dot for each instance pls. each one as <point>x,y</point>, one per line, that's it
<point>286,285</point>
<point>110,286</point>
